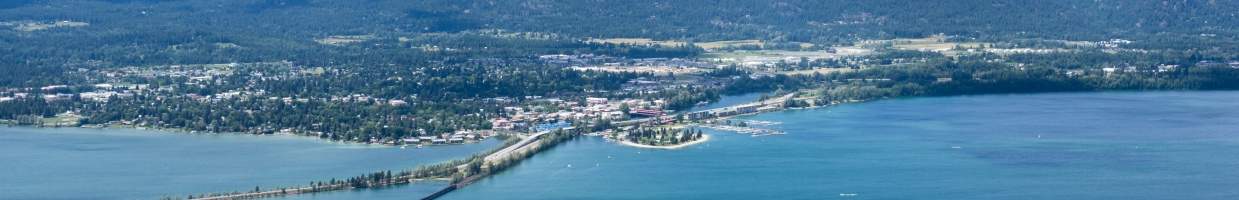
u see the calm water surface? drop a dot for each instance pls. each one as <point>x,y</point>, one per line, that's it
<point>1160,145</point>
<point>76,163</point>
<point>726,101</point>
<point>1164,145</point>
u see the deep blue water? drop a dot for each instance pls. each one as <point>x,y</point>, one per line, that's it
<point>76,163</point>
<point>1161,145</point>
<point>1155,145</point>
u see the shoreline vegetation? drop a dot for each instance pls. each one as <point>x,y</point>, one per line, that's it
<point>660,137</point>
<point>456,71</point>
<point>458,172</point>
<point>442,171</point>
<point>175,130</point>
<point>461,172</point>
<point>704,138</point>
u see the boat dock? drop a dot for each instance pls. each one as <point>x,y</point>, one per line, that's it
<point>744,130</point>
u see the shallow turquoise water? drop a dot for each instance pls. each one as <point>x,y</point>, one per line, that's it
<point>75,163</point>
<point>1164,145</point>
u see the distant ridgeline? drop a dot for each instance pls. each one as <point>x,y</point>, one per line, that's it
<point>939,75</point>
<point>146,32</point>
<point>381,70</point>
<point>286,29</point>
<point>154,32</point>
<point>843,20</point>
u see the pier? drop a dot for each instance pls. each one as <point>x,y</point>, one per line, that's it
<point>758,122</point>
<point>300,190</point>
<point>492,163</point>
<point>745,130</point>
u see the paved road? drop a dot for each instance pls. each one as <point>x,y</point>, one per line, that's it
<point>507,151</point>
<point>776,100</point>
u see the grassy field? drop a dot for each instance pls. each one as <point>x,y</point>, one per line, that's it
<point>344,39</point>
<point>821,71</point>
<point>741,57</point>
<point>931,44</point>
<point>61,120</point>
<point>708,46</point>
<point>637,41</point>
<point>38,26</point>
<point>656,70</point>
<point>729,43</point>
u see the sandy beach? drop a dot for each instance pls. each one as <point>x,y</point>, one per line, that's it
<point>704,138</point>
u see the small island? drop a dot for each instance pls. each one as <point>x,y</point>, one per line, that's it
<point>661,137</point>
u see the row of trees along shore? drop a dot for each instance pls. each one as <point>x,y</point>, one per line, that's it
<point>457,172</point>
<point>663,136</point>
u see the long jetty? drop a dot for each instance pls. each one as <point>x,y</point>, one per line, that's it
<point>526,145</point>
<point>301,190</point>
<point>746,130</point>
<point>510,153</point>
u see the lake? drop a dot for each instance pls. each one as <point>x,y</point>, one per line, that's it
<point>1149,145</point>
<point>726,101</point>
<point>1155,145</point>
<point>80,163</point>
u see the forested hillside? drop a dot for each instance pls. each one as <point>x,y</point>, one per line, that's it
<point>807,20</point>
<point>204,31</point>
<point>339,68</point>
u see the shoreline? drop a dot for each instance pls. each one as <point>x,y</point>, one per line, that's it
<point>704,138</point>
<point>183,131</point>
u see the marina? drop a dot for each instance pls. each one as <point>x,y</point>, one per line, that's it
<point>863,151</point>
<point>742,130</point>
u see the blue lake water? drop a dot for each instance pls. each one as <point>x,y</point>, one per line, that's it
<point>1159,145</point>
<point>1155,145</point>
<point>726,101</point>
<point>77,163</point>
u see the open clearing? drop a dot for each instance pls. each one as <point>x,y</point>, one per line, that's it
<point>38,26</point>
<point>820,71</point>
<point>708,46</point>
<point>930,44</point>
<point>344,39</point>
<point>729,43</point>
<point>771,56</point>
<point>657,70</point>
<point>637,41</point>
